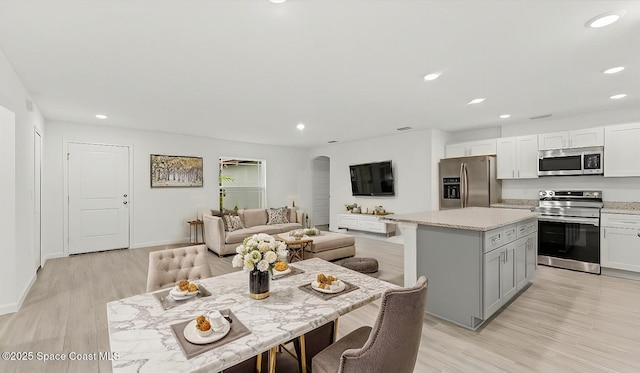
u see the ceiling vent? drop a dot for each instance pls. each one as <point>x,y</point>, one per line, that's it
<point>540,116</point>
<point>404,128</point>
<point>332,141</point>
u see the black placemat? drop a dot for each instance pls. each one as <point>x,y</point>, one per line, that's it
<point>238,330</point>
<point>167,302</point>
<point>326,296</point>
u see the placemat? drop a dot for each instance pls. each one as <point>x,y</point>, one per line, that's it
<point>238,330</point>
<point>167,302</point>
<point>326,296</point>
<point>294,271</point>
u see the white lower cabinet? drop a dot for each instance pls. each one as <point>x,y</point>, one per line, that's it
<point>526,259</point>
<point>620,242</point>
<point>364,222</point>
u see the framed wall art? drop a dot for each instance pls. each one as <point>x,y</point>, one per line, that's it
<point>175,171</point>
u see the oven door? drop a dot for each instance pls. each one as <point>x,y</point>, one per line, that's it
<point>569,242</point>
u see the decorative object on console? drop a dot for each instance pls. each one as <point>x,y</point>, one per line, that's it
<point>175,171</point>
<point>259,253</point>
<point>351,207</point>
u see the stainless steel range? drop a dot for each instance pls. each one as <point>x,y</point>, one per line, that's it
<point>569,229</point>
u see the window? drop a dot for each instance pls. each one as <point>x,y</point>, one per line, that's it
<point>242,183</point>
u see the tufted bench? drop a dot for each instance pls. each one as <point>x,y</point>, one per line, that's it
<point>330,246</point>
<point>362,265</point>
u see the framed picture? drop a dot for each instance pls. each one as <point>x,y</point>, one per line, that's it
<point>175,171</point>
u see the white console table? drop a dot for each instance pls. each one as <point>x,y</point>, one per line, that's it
<point>365,222</point>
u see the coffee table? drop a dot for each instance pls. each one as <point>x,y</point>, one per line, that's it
<point>295,246</point>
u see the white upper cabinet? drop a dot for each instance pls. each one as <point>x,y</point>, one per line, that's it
<point>517,157</point>
<point>571,139</point>
<point>622,150</point>
<point>471,148</point>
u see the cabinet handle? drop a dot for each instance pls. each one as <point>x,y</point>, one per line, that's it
<point>638,234</point>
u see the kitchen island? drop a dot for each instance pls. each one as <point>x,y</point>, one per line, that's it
<point>476,258</point>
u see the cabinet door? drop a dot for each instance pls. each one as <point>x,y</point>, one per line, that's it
<point>492,298</point>
<point>586,137</point>
<point>555,140</point>
<point>620,248</point>
<point>506,158</point>
<point>455,150</point>
<point>531,256</point>
<point>622,150</point>
<point>521,262</point>
<point>508,283</point>
<point>527,157</point>
<point>483,147</point>
<point>346,221</point>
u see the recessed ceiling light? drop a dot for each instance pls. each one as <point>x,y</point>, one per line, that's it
<point>476,101</point>
<point>300,126</point>
<point>605,19</point>
<point>617,97</point>
<point>332,141</point>
<point>101,116</point>
<point>614,70</point>
<point>432,76</point>
<point>277,1</point>
<point>505,116</point>
<point>404,128</point>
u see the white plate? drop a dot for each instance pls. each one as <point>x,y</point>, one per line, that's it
<point>281,273</point>
<point>340,287</point>
<point>192,335</point>
<point>181,295</point>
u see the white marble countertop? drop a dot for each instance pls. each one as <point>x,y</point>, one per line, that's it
<point>139,329</point>
<point>470,218</point>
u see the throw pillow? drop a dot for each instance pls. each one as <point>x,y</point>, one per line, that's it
<point>232,223</point>
<point>278,216</point>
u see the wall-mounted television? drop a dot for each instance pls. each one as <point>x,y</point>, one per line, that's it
<point>372,179</point>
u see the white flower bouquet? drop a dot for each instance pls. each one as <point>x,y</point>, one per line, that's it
<point>260,251</point>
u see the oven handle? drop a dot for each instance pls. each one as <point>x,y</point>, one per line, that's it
<point>566,219</point>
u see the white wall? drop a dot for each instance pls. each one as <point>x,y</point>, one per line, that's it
<point>159,215</point>
<point>18,265</point>
<point>414,157</point>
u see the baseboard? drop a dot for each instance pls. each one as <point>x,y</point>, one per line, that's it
<point>620,273</point>
<point>52,256</point>
<point>14,307</point>
<point>159,243</point>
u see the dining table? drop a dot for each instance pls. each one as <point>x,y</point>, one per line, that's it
<point>144,328</point>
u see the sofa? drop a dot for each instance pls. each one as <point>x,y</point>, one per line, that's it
<point>223,240</point>
<point>223,237</point>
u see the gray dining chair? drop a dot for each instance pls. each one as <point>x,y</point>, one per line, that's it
<point>390,346</point>
<point>166,267</point>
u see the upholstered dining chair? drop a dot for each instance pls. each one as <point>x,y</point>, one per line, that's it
<point>166,267</point>
<point>390,346</point>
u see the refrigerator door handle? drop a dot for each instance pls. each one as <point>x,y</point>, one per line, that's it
<point>464,186</point>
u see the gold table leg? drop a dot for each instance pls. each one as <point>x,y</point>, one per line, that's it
<point>272,359</point>
<point>303,354</point>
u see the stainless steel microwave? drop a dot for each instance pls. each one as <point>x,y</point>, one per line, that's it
<point>577,161</point>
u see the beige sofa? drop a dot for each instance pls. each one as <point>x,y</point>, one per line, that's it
<point>253,221</point>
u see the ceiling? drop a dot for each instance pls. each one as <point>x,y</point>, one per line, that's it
<point>251,70</point>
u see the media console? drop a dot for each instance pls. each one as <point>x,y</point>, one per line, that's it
<point>365,222</point>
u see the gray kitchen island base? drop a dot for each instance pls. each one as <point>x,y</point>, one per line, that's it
<point>476,259</point>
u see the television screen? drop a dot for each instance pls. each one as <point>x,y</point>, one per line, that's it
<point>372,179</point>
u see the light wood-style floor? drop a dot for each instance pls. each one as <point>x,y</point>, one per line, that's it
<point>565,322</point>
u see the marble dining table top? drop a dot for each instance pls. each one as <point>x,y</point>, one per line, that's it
<point>140,332</point>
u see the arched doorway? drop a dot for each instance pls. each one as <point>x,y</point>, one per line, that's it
<point>320,190</point>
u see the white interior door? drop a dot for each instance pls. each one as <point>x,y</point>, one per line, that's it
<point>98,197</point>
<point>321,187</point>
<point>37,188</point>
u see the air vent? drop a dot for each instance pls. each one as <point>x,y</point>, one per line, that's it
<point>404,128</point>
<point>540,116</point>
<point>332,141</point>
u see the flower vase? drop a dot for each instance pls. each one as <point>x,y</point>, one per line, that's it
<point>258,284</point>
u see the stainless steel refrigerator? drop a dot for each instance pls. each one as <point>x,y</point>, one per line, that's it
<point>469,181</point>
